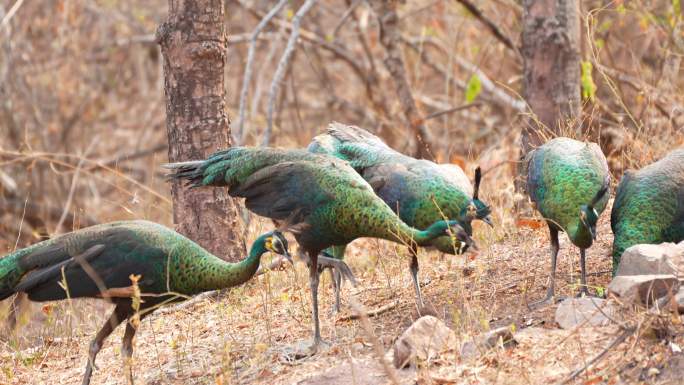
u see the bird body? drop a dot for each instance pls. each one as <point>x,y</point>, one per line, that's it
<point>420,191</point>
<point>323,200</point>
<point>649,205</point>
<point>100,261</point>
<point>567,180</point>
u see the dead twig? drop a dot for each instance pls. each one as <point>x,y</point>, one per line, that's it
<point>451,110</point>
<point>390,38</point>
<point>283,65</point>
<point>617,341</point>
<point>373,313</point>
<point>377,345</point>
<point>238,136</point>
<point>72,189</point>
<point>493,28</point>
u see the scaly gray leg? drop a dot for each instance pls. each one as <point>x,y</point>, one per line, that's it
<point>313,283</point>
<point>583,279</point>
<point>336,278</point>
<point>414,275</point>
<point>119,314</point>
<point>553,235</point>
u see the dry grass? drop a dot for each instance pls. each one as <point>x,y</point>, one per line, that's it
<point>240,338</point>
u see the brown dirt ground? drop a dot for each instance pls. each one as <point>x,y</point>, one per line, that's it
<point>239,339</point>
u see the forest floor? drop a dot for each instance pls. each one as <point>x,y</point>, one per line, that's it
<point>240,338</point>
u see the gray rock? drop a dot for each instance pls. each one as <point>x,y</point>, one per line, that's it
<point>679,298</point>
<point>651,259</point>
<point>423,340</point>
<point>643,289</point>
<point>482,343</point>
<point>589,311</point>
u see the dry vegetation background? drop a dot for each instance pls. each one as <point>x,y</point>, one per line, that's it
<point>82,118</point>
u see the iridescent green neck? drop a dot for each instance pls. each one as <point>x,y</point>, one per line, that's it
<point>228,275</point>
<point>580,235</point>
<point>405,233</point>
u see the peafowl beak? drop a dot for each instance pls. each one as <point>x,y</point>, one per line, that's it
<point>287,256</point>
<point>592,230</point>
<point>488,220</point>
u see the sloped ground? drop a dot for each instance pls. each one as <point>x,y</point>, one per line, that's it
<point>240,338</point>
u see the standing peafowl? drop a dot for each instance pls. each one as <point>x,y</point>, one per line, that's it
<point>103,261</point>
<point>323,199</point>
<point>420,191</point>
<point>568,180</point>
<point>649,205</point>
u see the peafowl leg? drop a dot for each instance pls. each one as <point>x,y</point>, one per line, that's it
<point>553,235</point>
<point>336,278</point>
<point>127,352</point>
<point>313,283</point>
<point>584,290</point>
<point>119,314</point>
<point>414,275</point>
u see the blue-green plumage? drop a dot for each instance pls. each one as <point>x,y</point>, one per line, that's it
<point>99,261</point>
<point>323,200</point>
<point>649,205</point>
<point>419,191</point>
<point>568,181</point>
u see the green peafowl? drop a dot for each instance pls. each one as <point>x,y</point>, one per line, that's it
<point>322,198</point>
<point>103,260</point>
<point>420,191</point>
<point>649,205</point>
<point>567,180</point>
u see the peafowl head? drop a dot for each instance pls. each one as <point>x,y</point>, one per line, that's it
<point>276,242</point>
<point>588,214</point>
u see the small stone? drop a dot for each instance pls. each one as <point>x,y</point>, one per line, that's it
<point>423,340</point>
<point>650,259</point>
<point>584,311</point>
<point>679,299</point>
<point>643,289</point>
<point>486,341</point>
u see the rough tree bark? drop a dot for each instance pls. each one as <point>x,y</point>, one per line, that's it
<point>551,53</point>
<point>390,38</point>
<point>193,44</point>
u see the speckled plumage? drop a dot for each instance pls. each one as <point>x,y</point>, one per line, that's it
<point>649,205</point>
<point>322,199</point>
<point>166,260</point>
<point>568,182</point>
<point>563,175</point>
<point>98,262</point>
<point>420,191</point>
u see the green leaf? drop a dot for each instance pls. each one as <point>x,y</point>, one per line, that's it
<point>587,81</point>
<point>473,88</point>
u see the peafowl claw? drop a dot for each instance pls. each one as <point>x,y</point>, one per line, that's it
<point>327,262</point>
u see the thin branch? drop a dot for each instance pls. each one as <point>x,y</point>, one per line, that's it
<point>617,341</point>
<point>282,67</point>
<point>10,13</point>
<point>493,28</point>
<point>451,110</point>
<point>390,38</point>
<point>371,313</point>
<point>72,189</point>
<point>345,17</point>
<point>247,78</point>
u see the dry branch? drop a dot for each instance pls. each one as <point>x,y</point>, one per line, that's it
<point>283,65</point>
<point>493,28</point>
<point>390,38</point>
<point>238,136</point>
<point>371,313</point>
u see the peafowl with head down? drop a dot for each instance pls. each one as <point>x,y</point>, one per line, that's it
<point>420,191</point>
<point>568,182</point>
<point>324,201</point>
<point>649,205</point>
<point>103,261</point>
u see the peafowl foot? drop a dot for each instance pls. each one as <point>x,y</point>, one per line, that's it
<point>339,265</point>
<point>303,350</point>
<point>548,300</point>
<point>584,292</point>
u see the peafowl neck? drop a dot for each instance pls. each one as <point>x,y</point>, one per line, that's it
<point>224,274</point>
<point>409,235</point>
<point>580,235</point>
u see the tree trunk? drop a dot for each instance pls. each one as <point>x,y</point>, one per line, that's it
<point>193,44</point>
<point>551,53</point>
